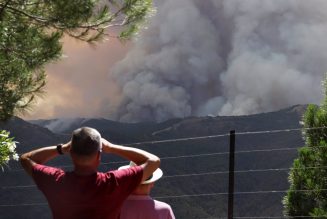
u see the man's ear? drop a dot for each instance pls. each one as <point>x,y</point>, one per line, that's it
<point>99,155</point>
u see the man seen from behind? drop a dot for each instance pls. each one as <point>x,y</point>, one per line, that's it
<point>85,193</point>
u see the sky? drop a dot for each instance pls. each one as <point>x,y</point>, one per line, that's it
<point>196,58</point>
<point>78,84</point>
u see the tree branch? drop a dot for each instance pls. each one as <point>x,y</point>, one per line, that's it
<point>3,8</point>
<point>38,19</point>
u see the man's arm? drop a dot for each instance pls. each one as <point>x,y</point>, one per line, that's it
<point>148,161</point>
<point>40,156</point>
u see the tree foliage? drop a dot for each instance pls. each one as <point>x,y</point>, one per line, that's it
<point>307,195</point>
<point>30,33</point>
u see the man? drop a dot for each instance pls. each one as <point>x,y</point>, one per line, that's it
<point>140,205</point>
<point>86,193</point>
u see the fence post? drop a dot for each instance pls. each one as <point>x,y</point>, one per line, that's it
<point>231,174</point>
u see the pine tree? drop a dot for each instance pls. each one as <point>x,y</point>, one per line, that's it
<point>30,33</point>
<point>307,195</point>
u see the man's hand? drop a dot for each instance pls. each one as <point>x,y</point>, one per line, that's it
<point>106,146</point>
<point>66,147</point>
<point>148,161</point>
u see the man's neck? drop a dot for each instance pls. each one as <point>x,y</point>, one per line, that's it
<point>84,171</point>
<point>142,191</point>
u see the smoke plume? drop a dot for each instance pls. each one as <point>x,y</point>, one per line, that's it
<point>224,57</point>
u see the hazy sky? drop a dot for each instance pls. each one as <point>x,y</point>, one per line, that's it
<point>78,84</point>
<point>218,57</point>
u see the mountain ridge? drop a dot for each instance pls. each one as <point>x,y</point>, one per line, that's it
<point>156,129</point>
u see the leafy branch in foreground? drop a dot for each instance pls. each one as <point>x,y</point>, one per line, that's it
<point>7,148</point>
<point>30,34</point>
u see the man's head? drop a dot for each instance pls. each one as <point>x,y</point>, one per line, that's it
<point>86,141</point>
<point>85,148</point>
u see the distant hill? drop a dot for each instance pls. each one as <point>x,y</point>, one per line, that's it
<point>187,127</point>
<point>210,157</point>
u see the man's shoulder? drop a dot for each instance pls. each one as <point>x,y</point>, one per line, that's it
<point>131,171</point>
<point>165,209</point>
<point>48,170</point>
<point>42,167</point>
<point>46,177</point>
<point>161,205</point>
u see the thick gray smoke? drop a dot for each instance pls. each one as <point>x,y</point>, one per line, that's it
<point>224,57</point>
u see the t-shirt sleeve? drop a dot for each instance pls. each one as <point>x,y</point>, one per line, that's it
<point>128,179</point>
<point>170,213</point>
<point>45,177</point>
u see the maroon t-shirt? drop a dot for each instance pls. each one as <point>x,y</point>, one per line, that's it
<point>98,196</point>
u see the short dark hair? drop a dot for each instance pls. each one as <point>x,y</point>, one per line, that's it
<point>85,141</point>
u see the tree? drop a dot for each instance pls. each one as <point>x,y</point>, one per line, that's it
<point>307,195</point>
<point>30,33</point>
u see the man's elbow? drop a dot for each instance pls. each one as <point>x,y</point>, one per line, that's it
<point>155,161</point>
<point>22,158</point>
<point>26,163</point>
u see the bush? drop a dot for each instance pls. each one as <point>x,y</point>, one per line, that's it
<point>7,148</point>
